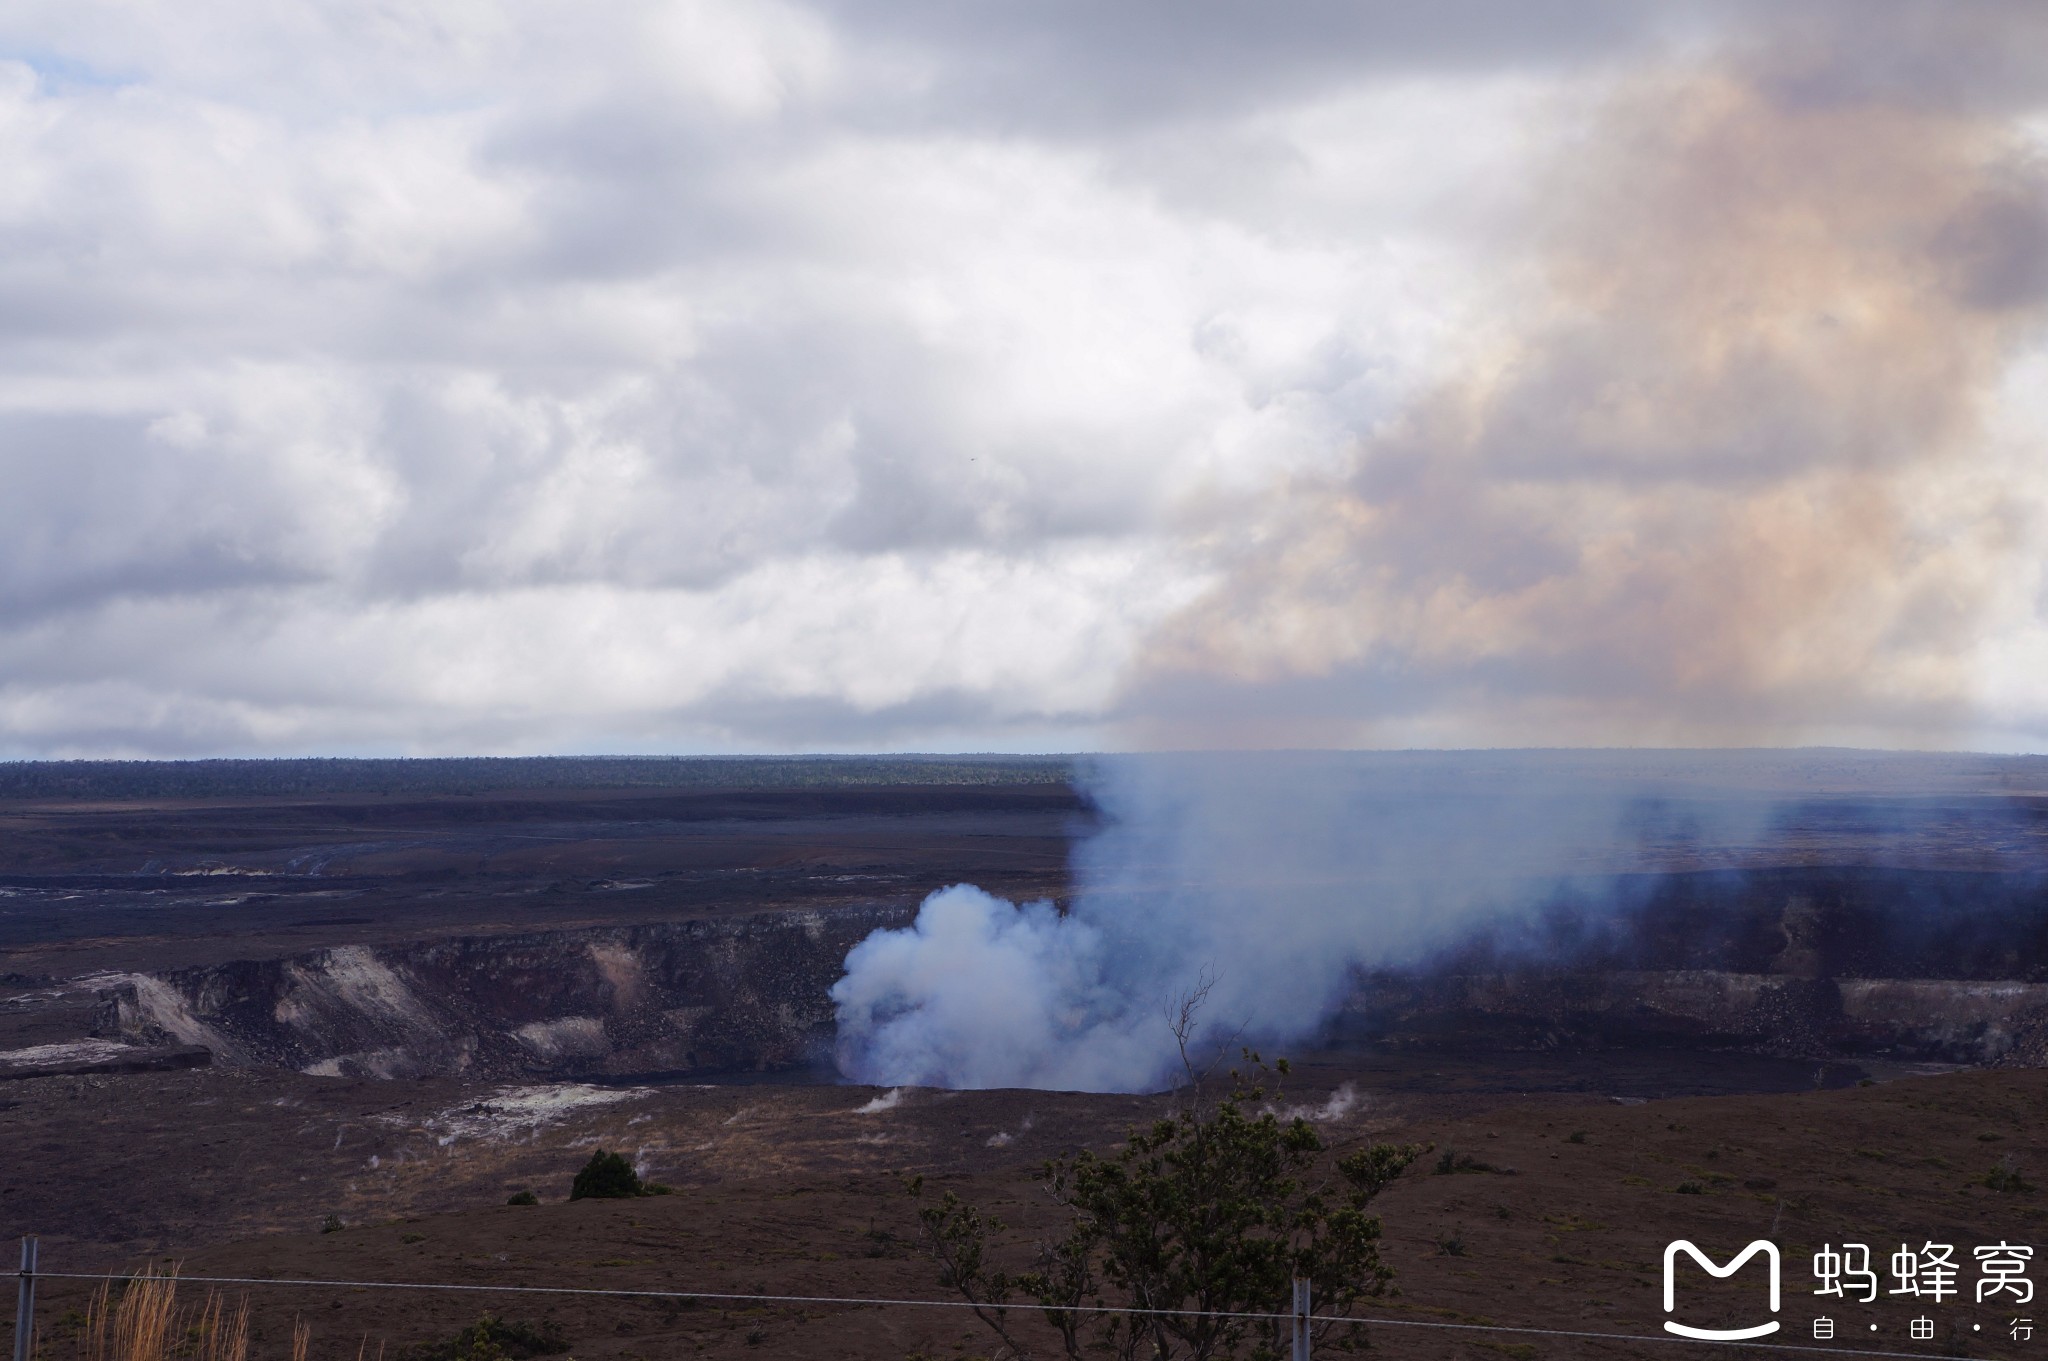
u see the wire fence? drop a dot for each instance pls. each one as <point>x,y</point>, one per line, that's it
<point>1301,1319</point>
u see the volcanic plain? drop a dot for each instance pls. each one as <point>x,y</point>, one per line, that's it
<point>320,1020</point>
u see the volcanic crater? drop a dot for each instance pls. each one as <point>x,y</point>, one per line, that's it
<point>234,1009</point>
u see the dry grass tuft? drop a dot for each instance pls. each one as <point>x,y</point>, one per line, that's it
<point>143,1322</point>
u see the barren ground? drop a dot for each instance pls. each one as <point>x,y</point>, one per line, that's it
<point>796,1191</point>
<point>791,1186</point>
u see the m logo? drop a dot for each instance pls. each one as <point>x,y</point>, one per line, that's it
<point>1671,1251</point>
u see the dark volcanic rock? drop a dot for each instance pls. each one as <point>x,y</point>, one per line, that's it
<point>1819,963</point>
<point>1809,964</point>
<point>99,1056</point>
<point>673,998</point>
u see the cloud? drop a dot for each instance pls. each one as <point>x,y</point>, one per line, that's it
<point>701,374</point>
<point>1723,472</point>
<point>1086,71</point>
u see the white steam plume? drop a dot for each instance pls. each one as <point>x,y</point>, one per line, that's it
<point>1275,878</point>
<point>1270,877</point>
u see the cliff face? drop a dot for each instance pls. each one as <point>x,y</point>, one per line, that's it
<point>681,998</point>
<point>1824,962</point>
<point>1813,963</point>
<point>1944,1020</point>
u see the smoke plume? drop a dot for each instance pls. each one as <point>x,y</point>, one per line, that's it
<point>1722,471</point>
<point>1265,880</point>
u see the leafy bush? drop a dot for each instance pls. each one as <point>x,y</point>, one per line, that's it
<point>1451,1161</point>
<point>2006,1177</point>
<point>607,1176</point>
<point>493,1339</point>
<point>1214,1209</point>
<point>522,1198</point>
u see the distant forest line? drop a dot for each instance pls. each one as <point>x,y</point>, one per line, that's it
<point>482,774</point>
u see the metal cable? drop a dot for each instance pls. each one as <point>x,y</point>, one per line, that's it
<point>1373,1319</point>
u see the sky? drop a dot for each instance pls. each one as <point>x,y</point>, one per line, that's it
<point>453,377</point>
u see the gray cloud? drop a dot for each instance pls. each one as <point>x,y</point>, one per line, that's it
<point>1077,69</point>
<point>1729,476</point>
<point>782,374</point>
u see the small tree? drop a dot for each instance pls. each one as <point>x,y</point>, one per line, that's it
<point>607,1176</point>
<point>1210,1212</point>
<point>476,1343</point>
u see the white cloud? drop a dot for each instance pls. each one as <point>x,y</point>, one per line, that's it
<point>457,375</point>
<point>533,376</point>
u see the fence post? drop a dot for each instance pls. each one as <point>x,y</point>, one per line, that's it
<point>25,1301</point>
<point>1301,1316</point>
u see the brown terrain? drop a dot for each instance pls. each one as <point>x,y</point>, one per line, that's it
<point>795,1191</point>
<point>1827,1039</point>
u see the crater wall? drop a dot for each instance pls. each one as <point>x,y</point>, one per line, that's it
<point>669,999</point>
<point>1822,963</point>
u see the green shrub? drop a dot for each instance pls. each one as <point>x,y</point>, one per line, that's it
<point>522,1198</point>
<point>493,1339</point>
<point>1451,1161</point>
<point>2006,1177</point>
<point>1203,1219</point>
<point>607,1176</point>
